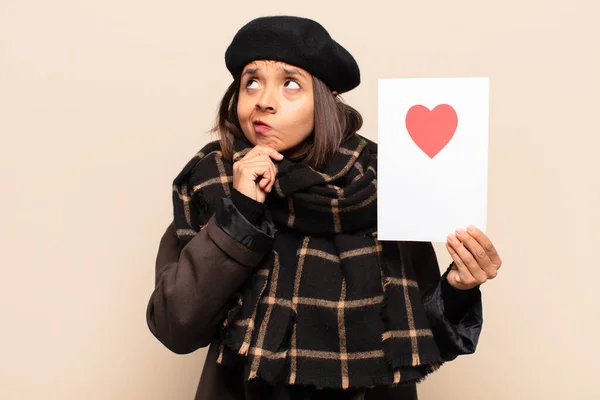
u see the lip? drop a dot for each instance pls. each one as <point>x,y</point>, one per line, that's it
<point>260,127</point>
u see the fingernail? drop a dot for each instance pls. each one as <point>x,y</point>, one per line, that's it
<point>451,238</point>
<point>461,231</point>
<point>471,228</point>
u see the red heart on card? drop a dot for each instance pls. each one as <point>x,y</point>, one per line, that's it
<point>431,130</point>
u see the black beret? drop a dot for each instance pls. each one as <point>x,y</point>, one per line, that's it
<point>297,41</point>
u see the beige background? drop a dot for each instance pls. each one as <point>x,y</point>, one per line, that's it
<point>103,102</point>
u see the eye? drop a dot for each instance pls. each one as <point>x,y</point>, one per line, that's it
<point>249,82</point>
<point>297,86</point>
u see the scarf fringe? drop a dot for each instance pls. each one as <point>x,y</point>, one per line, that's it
<point>424,366</point>
<point>248,333</point>
<point>385,281</point>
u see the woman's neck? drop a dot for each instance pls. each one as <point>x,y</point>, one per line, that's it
<point>299,151</point>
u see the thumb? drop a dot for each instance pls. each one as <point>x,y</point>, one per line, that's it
<point>456,276</point>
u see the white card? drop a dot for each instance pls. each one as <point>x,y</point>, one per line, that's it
<point>432,157</point>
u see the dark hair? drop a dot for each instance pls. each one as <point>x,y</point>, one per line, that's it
<point>335,122</point>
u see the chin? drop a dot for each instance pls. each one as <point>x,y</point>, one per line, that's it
<point>267,141</point>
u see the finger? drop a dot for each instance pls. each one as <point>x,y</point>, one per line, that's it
<point>486,244</point>
<point>255,169</point>
<point>274,177</point>
<point>263,160</point>
<point>276,155</point>
<point>468,260</point>
<point>264,150</point>
<point>255,157</point>
<point>255,161</point>
<point>478,253</point>
<point>265,184</point>
<point>255,151</point>
<point>463,272</point>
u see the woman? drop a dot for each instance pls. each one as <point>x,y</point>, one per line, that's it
<point>272,258</point>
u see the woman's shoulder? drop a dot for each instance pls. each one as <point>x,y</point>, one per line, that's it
<point>206,155</point>
<point>371,146</point>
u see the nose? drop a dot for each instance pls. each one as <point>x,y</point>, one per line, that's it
<point>266,101</point>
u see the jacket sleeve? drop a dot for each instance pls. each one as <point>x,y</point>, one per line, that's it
<point>455,316</point>
<point>194,284</point>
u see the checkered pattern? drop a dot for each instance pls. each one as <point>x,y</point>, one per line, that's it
<point>330,306</point>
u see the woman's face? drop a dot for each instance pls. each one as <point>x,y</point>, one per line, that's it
<point>276,105</point>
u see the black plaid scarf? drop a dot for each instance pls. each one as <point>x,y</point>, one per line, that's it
<point>330,306</point>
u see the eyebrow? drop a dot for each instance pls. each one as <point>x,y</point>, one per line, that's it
<point>252,71</point>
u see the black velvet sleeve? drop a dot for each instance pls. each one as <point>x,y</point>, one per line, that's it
<point>457,302</point>
<point>456,317</point>
<point>251,209</point>
<point>258,237</point>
